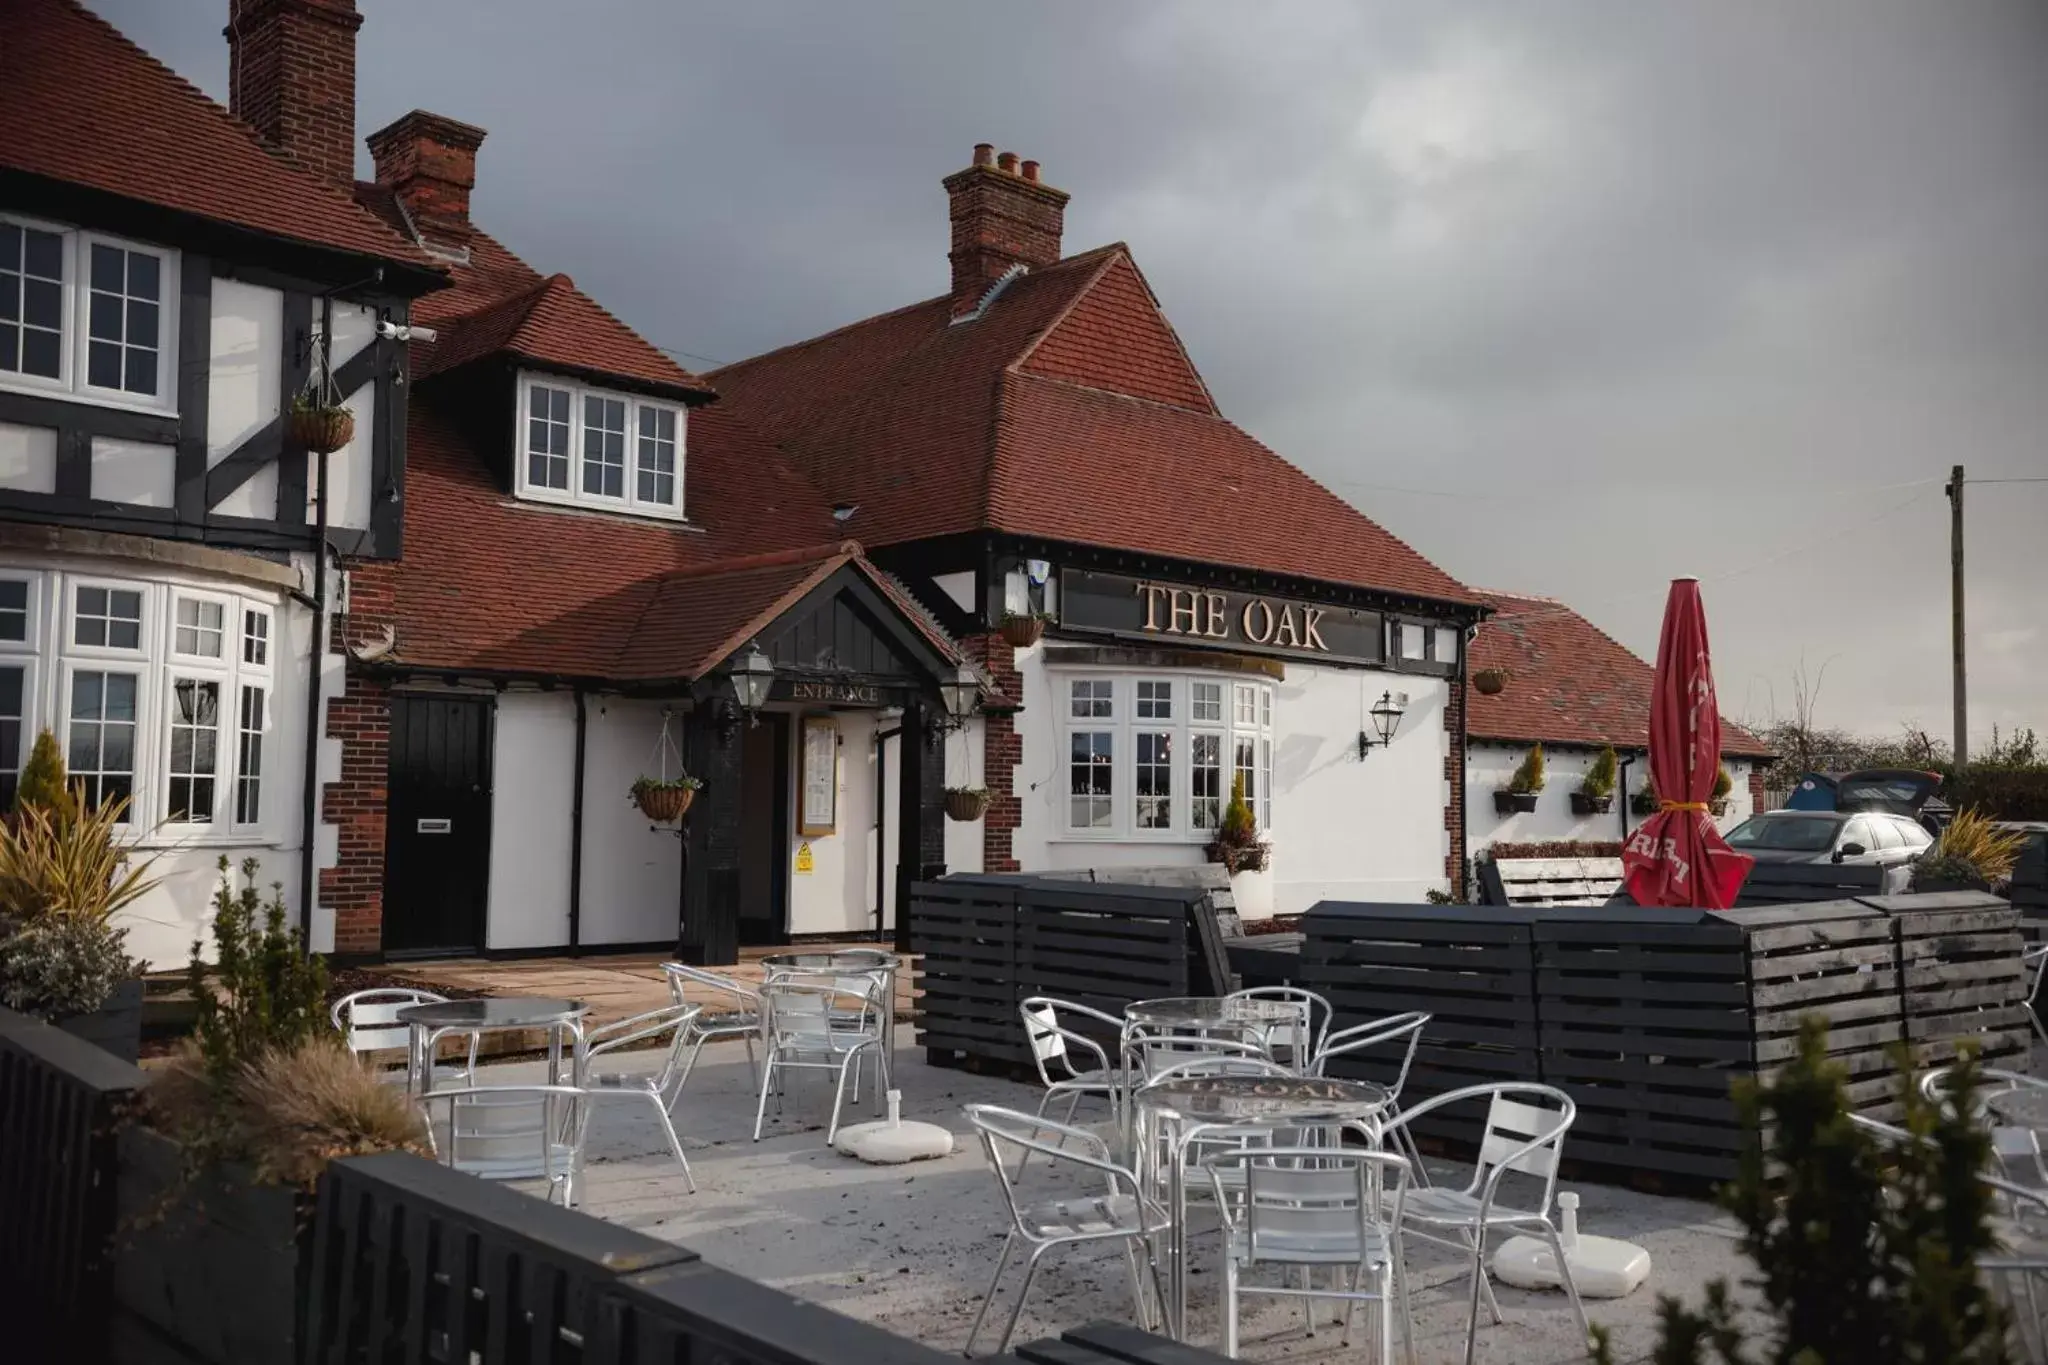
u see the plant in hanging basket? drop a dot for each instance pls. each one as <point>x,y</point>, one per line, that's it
<point>1520,792</point>
<point>1238,845</point>
<point>1023,628</point>
<point>1490,682</point>
<point>321,428</point>
<point>1717,804</point>
<point>665,799</point>
<point>966,804</point>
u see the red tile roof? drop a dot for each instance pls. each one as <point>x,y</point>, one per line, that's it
<point>1066,410</point>
<point>1569,682</point>
<point>82,104</point>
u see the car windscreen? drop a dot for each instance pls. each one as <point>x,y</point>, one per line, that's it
<point>1792,833</point>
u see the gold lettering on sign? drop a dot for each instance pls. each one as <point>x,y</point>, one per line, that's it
<point>1311,638</point>
<point>1177,608</point>
<point>1289,632</point>
<point>1151,592</point>
<point>1213,624</point>
<point>1264,632</point>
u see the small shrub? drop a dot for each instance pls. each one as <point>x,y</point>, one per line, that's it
<point>1723,784</point>
<point>1557,848</point>
<point>1436,897</point>
<point>1971,849</point>
<point>1598,783</point>
<point>1529,777</point>
<point>61,965</point>
<point>264,991</point>
<point>51,864</point>
<point>43,783</point>
<point>307,1105</point>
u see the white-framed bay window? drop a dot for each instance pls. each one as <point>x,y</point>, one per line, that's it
<point>594,447</point>
<point>87,315</point>
<point>158,693</point>
<point>1151,756</point>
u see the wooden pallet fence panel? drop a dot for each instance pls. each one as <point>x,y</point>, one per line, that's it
<point>1644,1020</point>
<point>1469,967</point>
<point>1807,883</point>
<point>965,932</point>
<point>1540,882</point>
<point>1960,976</point>
<point>1106,946</point>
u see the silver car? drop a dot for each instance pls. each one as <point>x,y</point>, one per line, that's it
<point>1856,838</point>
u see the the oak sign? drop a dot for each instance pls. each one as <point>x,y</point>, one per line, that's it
<point>1253,623</point>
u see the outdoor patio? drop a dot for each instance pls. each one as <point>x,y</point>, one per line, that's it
<point>910,1248</point>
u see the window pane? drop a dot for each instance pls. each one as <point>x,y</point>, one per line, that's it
<point>1246,704</point>
<point>249,758</point>
<point>1091,698</point>
<point>105,315</point>
<point>42,304</point>
<point>101,743</point>
<point>1411,640</point>
<point>195,735</point>
<point>199,628</point>
<point>42,254</point>
<point>107,269</point>
<point>11,689</point>
<point>1154,780</point>
<point>103,365</point>
<point>1206,700</point>
<point>10,346</point>
<point>144,277</point>
<point>655,463</point>
<point>256,638</point>
<point>1446,646</point>
<point>141,373</point>
<point>1090,769</point>
<point>42,353</point>
<point>547,438</point>
<point>13,609</point>
<point>111,617</point>
<point>604,447</point>
<point>1205,779</point>
<point>1245,769</point>
<point>1155,700</point>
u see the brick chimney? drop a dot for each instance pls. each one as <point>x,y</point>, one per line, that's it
<point>292,77</point>
<point>429,161</point>
<point>1002,216</point>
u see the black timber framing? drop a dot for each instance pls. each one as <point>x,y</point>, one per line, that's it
<point>195,365</point>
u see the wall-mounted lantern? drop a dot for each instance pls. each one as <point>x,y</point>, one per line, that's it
<point>752,675</point>
<point>1386,716</point>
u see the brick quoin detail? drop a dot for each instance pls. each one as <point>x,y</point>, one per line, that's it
<point>1454,803</point>
<point>1756,789</point>
<point>1002,750</point>
<point>360,719</point>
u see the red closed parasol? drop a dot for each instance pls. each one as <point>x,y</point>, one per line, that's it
<point>1678,856</point>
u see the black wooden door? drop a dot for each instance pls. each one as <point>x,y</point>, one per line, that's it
<point>764,831</point>
<point>437,841</point>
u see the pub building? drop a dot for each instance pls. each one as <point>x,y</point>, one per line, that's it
<point>1034,454</point>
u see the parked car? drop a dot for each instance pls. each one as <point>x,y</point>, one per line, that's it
<point>1895,791</point>
<point>1858,838</point>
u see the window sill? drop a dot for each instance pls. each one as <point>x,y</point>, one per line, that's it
<point>157,841</point>
<point>601,507</point>
<point>64,393</point>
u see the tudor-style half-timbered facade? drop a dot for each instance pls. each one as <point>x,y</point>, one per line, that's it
<point>171,277</point>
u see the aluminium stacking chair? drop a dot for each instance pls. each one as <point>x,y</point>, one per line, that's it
<point>2034,965</point>
<point>368,1022</point>
<point>1397,1034</point>
<point>512,1132</point>
<point>1054,1041</point>
<point>661,1087</point>
<point>1525,1128</point>
<point>1313,1208</point>
<point>1302,1039</point>
<point>816,1023</point>
<point>1060,1217</point>
<point>738,1015</point>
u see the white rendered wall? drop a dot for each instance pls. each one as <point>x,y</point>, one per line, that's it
<point>243,387</point>
<point>837,895</point>
<point>1343,828</point>
<point>1489,766</point>
<point>533,763</point>
<point>349,471</point>
<point>631,867</point>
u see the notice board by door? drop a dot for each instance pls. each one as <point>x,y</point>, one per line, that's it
<point>437,838</point>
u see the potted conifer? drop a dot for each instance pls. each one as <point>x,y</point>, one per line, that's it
<point>1519,795</point>
<point>1245,856</point>
<point>1595,795</point>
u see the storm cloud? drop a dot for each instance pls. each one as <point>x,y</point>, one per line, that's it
<point>1572,297</point>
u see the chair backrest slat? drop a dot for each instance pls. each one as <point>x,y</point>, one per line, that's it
<point>1511,1124</point>
<point>368,1020</point>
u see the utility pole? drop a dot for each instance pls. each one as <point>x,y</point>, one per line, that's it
<point>1955,563</point>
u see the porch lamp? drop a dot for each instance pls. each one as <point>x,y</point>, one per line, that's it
<point>752,673</point>
<point>960,692</point>
<point>1386,716</point>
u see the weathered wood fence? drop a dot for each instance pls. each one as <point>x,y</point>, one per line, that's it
<point>1646,1015</point>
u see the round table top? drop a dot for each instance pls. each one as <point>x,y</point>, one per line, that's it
<point>1210,1011</point>
<point>498,1011</point>
<point>833,960</point>
<point>2023,1106</point>
<point>1260,1099</point>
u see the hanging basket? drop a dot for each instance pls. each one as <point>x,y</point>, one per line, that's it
<point>1489,682</point>
<point>664,805</point>
<point>966,804</point>
<point>1584,803</point>
<point>1023,631</point>
<point>322,430</point>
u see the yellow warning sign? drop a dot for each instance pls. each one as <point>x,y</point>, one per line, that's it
<point>804,863</point>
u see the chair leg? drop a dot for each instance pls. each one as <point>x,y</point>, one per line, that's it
<point>1478,1281</point>
<point>1043,1100</point>
<point>1144,1310</point>
<point>761,1109</point>
<point>852,1062</point>
<point>675,1144</point>
<point>1477,1241</point>
<point>1401,1288</point>
<point>1002,1263</point>
<point>690,1062</point>
<point>1023,1293</point>
<point>1571,1287</point>
<point>1383,1276</point>
<point>1229,1305</point>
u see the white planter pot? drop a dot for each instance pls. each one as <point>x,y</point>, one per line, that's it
<point>1253,892</point>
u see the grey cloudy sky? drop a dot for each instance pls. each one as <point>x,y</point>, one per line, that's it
<point>1572,297</point>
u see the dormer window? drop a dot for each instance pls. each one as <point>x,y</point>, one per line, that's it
<point>592,447</point>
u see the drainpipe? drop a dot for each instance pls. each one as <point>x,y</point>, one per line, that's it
<point>576,830</point>
<point>1621,794</point>
<point>309,805</point>
<point>1458,835</point>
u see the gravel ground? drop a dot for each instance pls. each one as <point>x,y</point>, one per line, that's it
<point>910,1248</point>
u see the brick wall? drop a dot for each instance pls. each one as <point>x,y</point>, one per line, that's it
<point>1454,787</point>
<point>1002,751</point>
<point>1757,799</point>
<point>360,719</point>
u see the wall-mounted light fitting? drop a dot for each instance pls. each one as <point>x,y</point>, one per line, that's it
<point>1386,718</point>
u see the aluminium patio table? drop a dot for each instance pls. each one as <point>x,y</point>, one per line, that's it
<point>495,1014</point>
<point>1192,1104</point>
<point>849,962</point>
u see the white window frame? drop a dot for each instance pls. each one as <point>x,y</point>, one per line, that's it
<point>104,661</point>
<point>1125,725</point>
<point>71,364</point>
<point>573,495</point>
<point>226,699</point>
